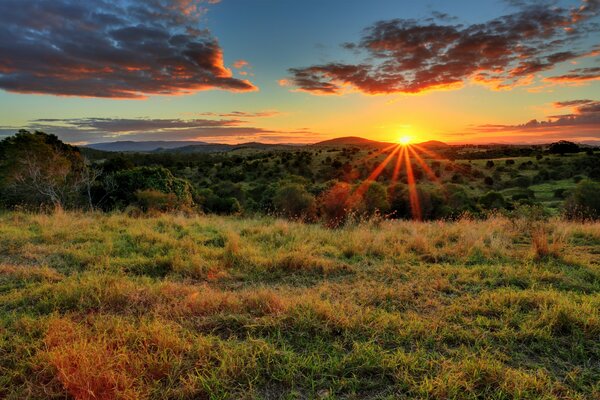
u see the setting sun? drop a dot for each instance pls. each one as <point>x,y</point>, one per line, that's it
<point>404,140</point>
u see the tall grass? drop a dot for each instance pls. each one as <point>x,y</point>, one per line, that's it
<point>97,306</point>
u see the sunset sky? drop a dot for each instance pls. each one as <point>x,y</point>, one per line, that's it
<point>284,71</point>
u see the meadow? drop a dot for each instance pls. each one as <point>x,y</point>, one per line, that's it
<point>107,306</point>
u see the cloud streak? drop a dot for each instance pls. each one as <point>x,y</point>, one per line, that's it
<point>120,49</point>
<point>96,130</point>
<point>582,123</point>
<point>409,56</point>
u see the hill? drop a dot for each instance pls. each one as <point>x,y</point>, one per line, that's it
<point>142,146</point>
<point>108,306</point>
<point>351,141</point>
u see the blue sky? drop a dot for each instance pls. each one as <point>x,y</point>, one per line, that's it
<point>302,44</point>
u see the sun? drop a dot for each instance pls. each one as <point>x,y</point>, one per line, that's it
<point>404,140</point>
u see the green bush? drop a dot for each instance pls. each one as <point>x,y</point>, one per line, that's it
<point>155,179</point>
<point>293,201</point>
<point>584,202</point>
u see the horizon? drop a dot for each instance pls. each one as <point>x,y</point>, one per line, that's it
<point>509,72</point>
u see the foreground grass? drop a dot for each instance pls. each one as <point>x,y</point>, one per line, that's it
<point>107,306</point>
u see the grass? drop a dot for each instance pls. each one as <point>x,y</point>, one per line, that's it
<point>97,306</point>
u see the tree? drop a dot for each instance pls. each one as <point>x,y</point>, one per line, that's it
<point>562,147</point>
<point>375,200</point>
<point>293,201</point>
<point>129,182</point>
<point>38,169</point>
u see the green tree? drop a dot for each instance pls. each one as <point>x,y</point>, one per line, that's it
<point>139,179</point>
<point>293,201</point>
<point>38,169</point>
<point>375,200</point>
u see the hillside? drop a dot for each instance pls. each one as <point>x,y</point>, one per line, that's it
<point>127,145</point>
<point>351,141</point>
<point>107,306</point>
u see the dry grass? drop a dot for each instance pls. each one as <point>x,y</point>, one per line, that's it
<point>97,306</point>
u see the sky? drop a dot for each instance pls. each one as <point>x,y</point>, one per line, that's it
<point>284,71</point>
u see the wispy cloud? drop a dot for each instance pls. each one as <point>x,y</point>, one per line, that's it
<point>581,123</point>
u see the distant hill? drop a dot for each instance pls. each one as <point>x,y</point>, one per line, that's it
<point>351,141</point>
<point>142,146</point>
<point>204,147</point>
<point>434,144</point>
<point>221,147</point>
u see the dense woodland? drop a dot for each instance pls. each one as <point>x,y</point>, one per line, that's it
<point>331,183</point>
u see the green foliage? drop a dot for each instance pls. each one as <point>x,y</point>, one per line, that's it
<point>584,202</point>
<point>293,201</point>
<point>37,169</point>
<point>492,201</point>
<point>563,147</point>
<point>154,179</point>
<point>375,200</point>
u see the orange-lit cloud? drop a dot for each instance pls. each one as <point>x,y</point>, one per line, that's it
<point>121,49</point>
<point>582,123</point>
<point>407,56</point>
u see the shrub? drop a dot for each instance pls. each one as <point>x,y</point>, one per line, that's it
<point>492,201</point>
<point>294,201</point>
<point>158,179</point>
<point>584,202</point>
<point>337,204</point>
<point>153,200</point>
<point>375,200</point>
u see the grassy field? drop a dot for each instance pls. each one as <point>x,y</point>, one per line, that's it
<point>97,306</point>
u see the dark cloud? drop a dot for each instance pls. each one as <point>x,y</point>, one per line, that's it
<point>577,75</point>
<point>120,125</point>
<point>95,130</point>
<point>116,49</point>
<point>408,56</point>
<point>572,103</point>
<point>584,118</point>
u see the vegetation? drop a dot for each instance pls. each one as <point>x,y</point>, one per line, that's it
<point>313,183</point>
<point>106,306</point>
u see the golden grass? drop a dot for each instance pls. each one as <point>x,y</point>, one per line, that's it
<point>102,306</point>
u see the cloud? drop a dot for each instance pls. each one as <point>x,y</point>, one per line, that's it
<point>583,123</point>
<point>577,75</point>
<point>119,49</point>
<point>409,56</point>
<point>244,114</point>
<point>95,130</point>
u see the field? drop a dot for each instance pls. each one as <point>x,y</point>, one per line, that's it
<point>103,306</point>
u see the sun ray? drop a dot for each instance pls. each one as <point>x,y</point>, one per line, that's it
<point>430,153</point>
<point>398,165</point>
<point>375,174</point>
<point>424,165</point>
<point>412,190</point>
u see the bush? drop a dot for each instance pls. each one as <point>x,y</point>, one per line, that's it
<point>337,204</point>
<point>584,202</point>
<point>375,200</point>
<point>492,201</point>
<point>294,201</point>
<point>154,179</point>
<point>152,200</point>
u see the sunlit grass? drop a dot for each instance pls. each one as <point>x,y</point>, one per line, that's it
<point>106,306</point>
